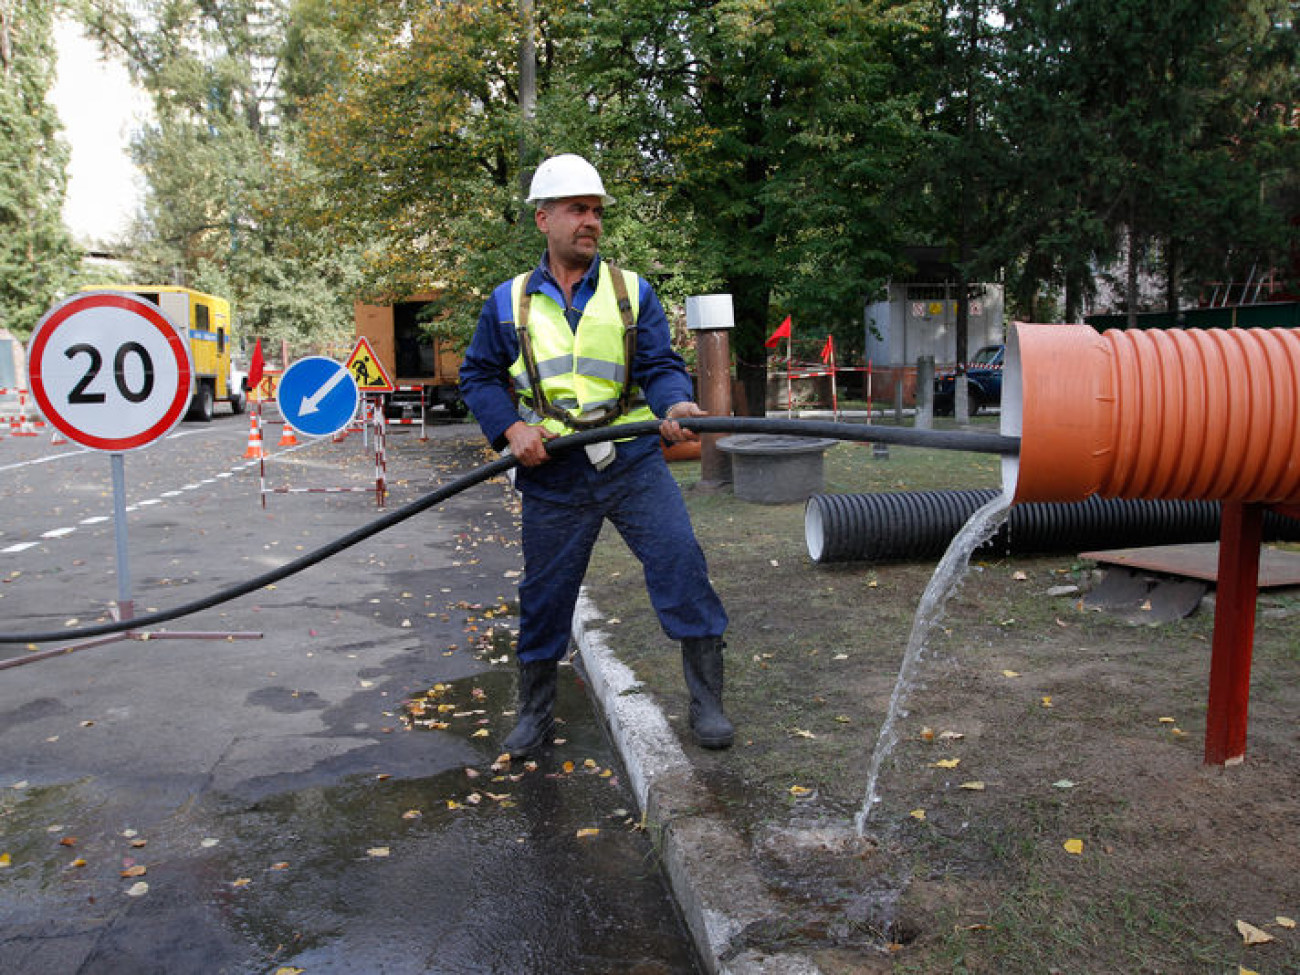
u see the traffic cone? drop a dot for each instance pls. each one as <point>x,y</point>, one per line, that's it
<point>254,436</point>
<point>56,436</point>
<point>287,439</point>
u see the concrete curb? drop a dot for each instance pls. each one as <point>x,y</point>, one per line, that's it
<point>710,869</point>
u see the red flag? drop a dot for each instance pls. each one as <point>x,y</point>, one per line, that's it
<point>828,350</point>
<point>256,367</point>
<point>782,332</point>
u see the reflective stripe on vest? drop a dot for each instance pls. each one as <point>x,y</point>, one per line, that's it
<point>580,371</point>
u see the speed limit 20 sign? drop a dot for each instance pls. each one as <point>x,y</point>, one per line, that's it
<point>110,370</point>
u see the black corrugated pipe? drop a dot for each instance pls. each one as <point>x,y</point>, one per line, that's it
<point>904,525</point>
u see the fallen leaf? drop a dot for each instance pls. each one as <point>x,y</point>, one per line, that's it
<point>289,970</point>
<point>946,763</point>
<point>1063,784</point>
<point>800,790</point>
<point>801,733</point>
<point>1019,575</point>
<point>568,767</point>
<point>975,786</point>
<point>1252,935</point>
<point>1010,673</point>
<point>136,871</point>
<point>1073,846</point>
<point>1167,720</point>
<point>588,831</point>
<point>79,862</point>
<point>412,814</point>
<point>68,841</point>
<point>5,860</point>
<point>241,882</point>
<point>282,865</point>
<point>951,736</point>
<point>377,851</point>
<point>927,734</point>
<point>481,733</point>
<point>918,815</point>
<point>1285,922</point>
<point>137,889</point>
<point>1047,700</point>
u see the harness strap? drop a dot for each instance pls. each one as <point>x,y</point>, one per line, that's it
<point>543,405</point>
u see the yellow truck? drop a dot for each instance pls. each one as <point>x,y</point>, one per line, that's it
<point>206,321</point>
<point>423,367</point>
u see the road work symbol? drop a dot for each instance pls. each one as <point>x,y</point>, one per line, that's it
<point>317,396</point>
<point>367,370</point>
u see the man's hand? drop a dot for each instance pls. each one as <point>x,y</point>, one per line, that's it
<point>674,432</point>
<point>528,443</point>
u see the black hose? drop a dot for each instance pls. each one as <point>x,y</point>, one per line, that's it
<point>920,524</point>
<point>941,440</point>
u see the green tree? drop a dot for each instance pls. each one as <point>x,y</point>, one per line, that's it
<point>780,131</point>
<point>37,256</point>
<point>1167,128</point>
<point>216,168</point>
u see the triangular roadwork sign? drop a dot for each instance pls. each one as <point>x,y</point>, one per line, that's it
<point>367,370</point>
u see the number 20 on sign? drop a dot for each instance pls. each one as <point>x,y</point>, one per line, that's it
<point>110,370</point>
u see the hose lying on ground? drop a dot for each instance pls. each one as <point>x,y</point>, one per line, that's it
<point>941,440</point>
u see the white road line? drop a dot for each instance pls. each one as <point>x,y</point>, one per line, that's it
<point>94,520</point>
<point>20,547</point>
<point>46,459</point>
<point>58,532</point>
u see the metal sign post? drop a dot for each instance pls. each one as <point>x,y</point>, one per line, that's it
<point>113,373</point>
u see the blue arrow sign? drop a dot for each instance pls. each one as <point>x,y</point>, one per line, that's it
<point>317,396</point>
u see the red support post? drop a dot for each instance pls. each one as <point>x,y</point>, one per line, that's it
<point>1240,536</point>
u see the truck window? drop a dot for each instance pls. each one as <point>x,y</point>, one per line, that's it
<point>413,349</point>
<point>201,319</point>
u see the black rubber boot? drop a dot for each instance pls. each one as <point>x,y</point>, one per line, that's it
<point>536,720</point>
<point>702,664</point>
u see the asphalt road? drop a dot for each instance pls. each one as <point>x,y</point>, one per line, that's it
<point>258,805</point>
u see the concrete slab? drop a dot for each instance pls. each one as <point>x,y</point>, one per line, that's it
<point>1277,568</point>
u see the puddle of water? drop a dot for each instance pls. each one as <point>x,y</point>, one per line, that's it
<point>947,577</point>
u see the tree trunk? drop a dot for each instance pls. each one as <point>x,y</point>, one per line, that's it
<point>750,296</point>
<point>1131,284</point>
<point>1172,276</point>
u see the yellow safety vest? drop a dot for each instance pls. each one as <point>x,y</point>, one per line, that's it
<point>582,374</point>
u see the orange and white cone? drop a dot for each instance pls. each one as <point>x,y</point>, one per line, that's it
<point>287,439</point>
<point>56,436</point>
<point>254,436</point>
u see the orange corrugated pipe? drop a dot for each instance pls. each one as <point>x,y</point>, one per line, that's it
<point>1181,413</point>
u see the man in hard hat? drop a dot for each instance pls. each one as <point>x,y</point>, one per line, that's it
<point>574,344</point>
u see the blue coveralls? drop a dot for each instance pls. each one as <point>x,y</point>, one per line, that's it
<point>565,500</point>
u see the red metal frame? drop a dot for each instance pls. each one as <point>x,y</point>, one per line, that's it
<point>1234,632</point>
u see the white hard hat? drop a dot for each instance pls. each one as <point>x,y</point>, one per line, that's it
<point>566,175</point>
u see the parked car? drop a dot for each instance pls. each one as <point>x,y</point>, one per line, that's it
<point>984,382</point>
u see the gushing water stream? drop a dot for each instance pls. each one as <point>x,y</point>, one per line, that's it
<point>949,573</point>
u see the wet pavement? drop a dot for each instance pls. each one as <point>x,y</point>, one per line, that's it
<point>257,805</point>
